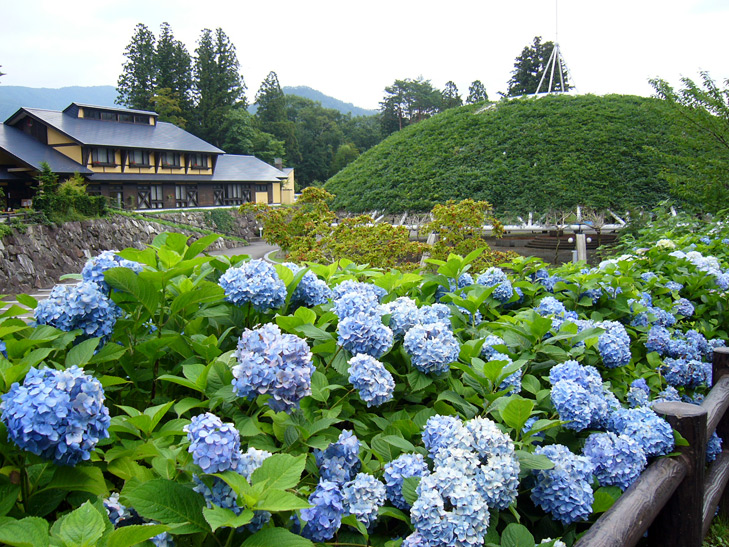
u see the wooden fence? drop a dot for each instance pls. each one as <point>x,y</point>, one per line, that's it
<point>675,498</point>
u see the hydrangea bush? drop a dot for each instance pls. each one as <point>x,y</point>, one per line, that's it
<point>204,400</point>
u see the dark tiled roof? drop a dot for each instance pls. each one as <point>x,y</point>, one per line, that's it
<point>163,136</point>
<point>29,151</point>
<point>230,167</point>
<point>110,108</point>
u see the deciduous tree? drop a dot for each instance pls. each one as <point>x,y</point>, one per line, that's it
<point>409,101</point>
<point>476,93</point>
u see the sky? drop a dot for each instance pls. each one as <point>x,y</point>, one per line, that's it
<point>352,50</point>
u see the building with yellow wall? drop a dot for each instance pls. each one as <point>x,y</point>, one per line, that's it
<point>132,158</point>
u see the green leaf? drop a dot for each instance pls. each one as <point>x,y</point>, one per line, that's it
<point>82,527</point>
<point>409,489</point>
<point>169,503</point>
<point>8,497</point>
<point>218,517</point>
<point>128,536</point>
<point>27,532</point>
<point>399,442</point>
<point>280,500</point>
<point>124,279</point>
<point>280,537</point>
<point>200,245</point>
<point>605,497</point>
<point>82,353</point>
<point>516,535</point>
<point>110,352</point>
<point>210,292</point>
<point>529,461</point>
<point>83,478</point>
<point>517,412</point>
<point>417,380</point>
<point>280,471</point>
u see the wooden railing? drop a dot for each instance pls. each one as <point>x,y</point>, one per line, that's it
<point>675,498</point>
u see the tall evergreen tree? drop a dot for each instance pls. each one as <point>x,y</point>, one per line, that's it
<point>218,85</point>
<point>135,87</point>
<point>529,68</point>
<point>451,97</point>
<point>271,100</point>
<point>174,69</point>
<point>476,93</point>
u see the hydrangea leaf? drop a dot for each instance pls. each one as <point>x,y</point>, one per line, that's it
<point>200,245</point>
<point>280,500</point>
<point>218,517</point>
<point>85,479</point>
<point>516,535</point>
<point>27,532</point>
<point>605,497</point>
<point>169,503</point>
<point>8,496</point>
<point>529,461</point>
<point>82,527</point>
<point>517,412</point>
<point>280,471</point>
<point>128,536</point>
<point>280,537</point>
<point>409,489</point>
<point>82,353</point>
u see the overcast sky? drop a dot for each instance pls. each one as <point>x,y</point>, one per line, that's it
<point>351,50</point>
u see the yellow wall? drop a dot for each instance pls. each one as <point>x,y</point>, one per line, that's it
<point>276,192</point>
<point>261,197</point>
<point>287,192</point>
<point>55,137</point>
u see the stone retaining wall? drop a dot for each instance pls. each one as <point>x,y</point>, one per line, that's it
<point>37,258</point>
<point>232,223</point>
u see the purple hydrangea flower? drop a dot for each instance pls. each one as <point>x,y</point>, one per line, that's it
<point>339,462</point>
<point>365,333</point>
<point>564,491</point>
<point>618,460</point>
<point>406,465</point>
<point>371,379</point>
<point>363,497</point>
<point>431,347</point>
<point>83,306</point>
<point>256,282</point>
<point>325,517</point>
<point>56,414</point>
<point>273,363</point>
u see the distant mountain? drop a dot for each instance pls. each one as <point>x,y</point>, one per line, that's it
<point>327,101</point>
<point>14,97</point>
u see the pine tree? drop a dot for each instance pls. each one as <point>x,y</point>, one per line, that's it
<point>135,87</point>
<point>271,100</point>
<point>173,70</point>
<point>476,93</point>
<point>218,85</point>
<point>529,68</point>
<point>451,97</point>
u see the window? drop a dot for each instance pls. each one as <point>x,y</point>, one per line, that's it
<point>144,120</point>
<point>91,114</point>
<point>103,156</point>
<point>237,194</point>
<point>149,197</point>
<point>126,118</point>
<point>199,161</point>
<point>186,195</point>
<point>138,158</point>
<point>108,116</point>
<point>169,159</point>
<point>261,188</point>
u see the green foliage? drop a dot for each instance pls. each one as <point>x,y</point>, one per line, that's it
<point>67,201</point>
<point>701,117</point>
<point>409,101</point>
<point>529,68</point>
<point>136,82</point>
<point>222,219</point>
<point>520,155</point>
<point>476,93</point>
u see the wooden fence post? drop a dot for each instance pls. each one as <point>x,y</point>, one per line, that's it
<point>720,367</point>
<point>680,522</point>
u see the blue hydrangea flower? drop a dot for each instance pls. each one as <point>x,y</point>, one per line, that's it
<point>363,497</point>
<point>658,340</point>
<point>585,375</point>
<point>339,462</point>
<point>668,395</point>
<point>355,286</point>
<point>700,343</point>
<point>273,363</point>
<point>325,517</point>
<point>641,424</point>
<point>465,280</point>
<point>118,513</point>
<point>83,306</point>
<point>444,432</point>
<point>706,240</point>
<point>618,460</point>
<point>494,277</point>
<point>95,267</point>
<point>713,447</point>
<point>311,291</point>
<point>115,509</point>
<point>365,333</point>
<point>564,491</point>
<point>371,379</point>
<point>435,313</point>
<point>449,510</point>
<point>673,286</point>
<point>614,344</point>
<point>56,414</point>
<point>683,307</point>
<point>683,372</point>
<point>3,348</point>
<point>579,407</point>
<point>593,294</point>
<point>214,445</point>
<point>414,540</point>
<point>647,276</point>
<point>358,302</point>
<point>256,282</point>
<point>639,393</point>
<point>406,465</point>
<point>487,350</point>
<point>549,282</point>
<point>404,314</point>
<point>549,305</point>
<point>431,347</point>
<point>163,539</point>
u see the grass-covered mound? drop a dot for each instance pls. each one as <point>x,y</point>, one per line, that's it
<point>521,155</point>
